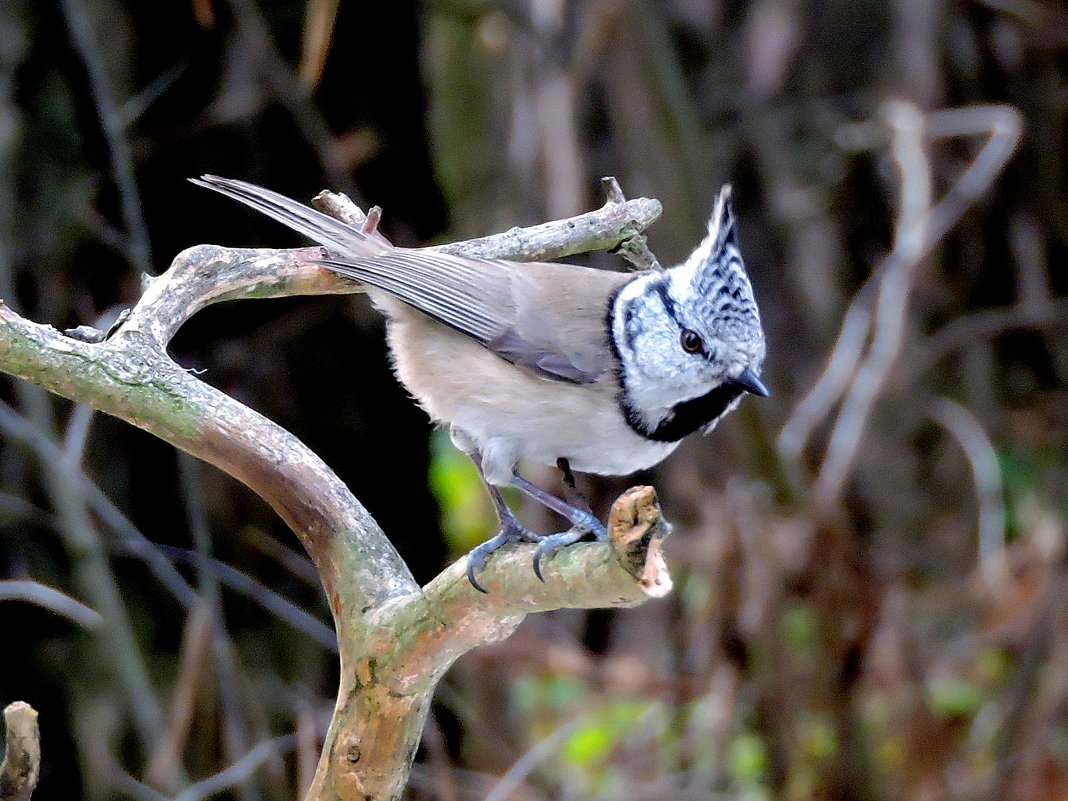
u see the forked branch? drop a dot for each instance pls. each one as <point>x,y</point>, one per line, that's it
<point>396,639</point>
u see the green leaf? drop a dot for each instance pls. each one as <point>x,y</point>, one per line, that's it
<point>800,626</point>
<point>748,759</point>
<point>542,693</point>
<point>953,698</point>
<point>589,746</point>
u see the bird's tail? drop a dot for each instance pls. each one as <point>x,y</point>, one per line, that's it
<point>321,228</point>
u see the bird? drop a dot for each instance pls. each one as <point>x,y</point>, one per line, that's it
<point>592,370</point>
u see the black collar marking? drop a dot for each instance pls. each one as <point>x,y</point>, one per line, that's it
<point>686,417</point>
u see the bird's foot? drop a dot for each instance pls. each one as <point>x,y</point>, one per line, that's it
<point>584,523</point>
<point>511,531</point>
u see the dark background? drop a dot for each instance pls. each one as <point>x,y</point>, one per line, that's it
<point>852,647</point>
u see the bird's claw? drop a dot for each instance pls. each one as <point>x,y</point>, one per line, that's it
<point>584,523</point>
<point>479,556</point>
<point>587,523</point>
<point>549,545</point>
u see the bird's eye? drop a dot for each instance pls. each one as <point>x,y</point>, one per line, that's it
<point>691,341</point>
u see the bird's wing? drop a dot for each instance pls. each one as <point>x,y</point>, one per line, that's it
<point>549,318</point>
<point>564,309</point>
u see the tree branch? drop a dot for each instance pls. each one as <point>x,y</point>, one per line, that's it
<point>396,640</point>
<point>22,753</point>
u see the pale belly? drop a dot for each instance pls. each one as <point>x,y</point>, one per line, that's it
<point>509,413</point>
<point>593,440</point>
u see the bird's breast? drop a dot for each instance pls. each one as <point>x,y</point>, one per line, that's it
<point>458,382</point>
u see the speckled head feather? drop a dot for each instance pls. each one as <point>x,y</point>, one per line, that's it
<point>719,281</point>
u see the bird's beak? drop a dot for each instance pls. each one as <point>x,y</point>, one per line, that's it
<point>751,382</point>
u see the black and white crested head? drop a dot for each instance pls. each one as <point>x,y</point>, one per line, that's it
<point>689,338</point>
<point>721,289</point>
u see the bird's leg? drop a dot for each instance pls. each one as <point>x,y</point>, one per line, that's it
<point>582,521</point>
<point>511,530</point>
<point>579,518</point>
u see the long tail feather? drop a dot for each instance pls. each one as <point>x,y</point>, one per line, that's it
<point>319,227</point>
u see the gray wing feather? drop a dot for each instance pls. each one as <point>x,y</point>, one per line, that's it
<point>512,346</point>
<point>472,296</point>
<point>547,329</point>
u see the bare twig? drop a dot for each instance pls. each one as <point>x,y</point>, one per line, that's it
<point>112,123</point>
<point>986,471</point>
<point>48,598</point>
<point>233,726</point>
<point>23,431</point>
<point>77,434</point>
<point>22,753</point>
<point>529,762</point>
<point>307,745</point>
<point>116,648</point>
<point>546,747</point>
<point>983,325</point>
<point>96,582</point>
<point>831,384</point>
<point>320,17</point>
<point>18,508</point>
<point>617,225</point>
<point>910,155</point>
<point>635,247</point>
<point>616,222</point>
<point>856,377</point>
<point>134,107</point>
<point>239,771</point>
<point>286,87</point>
<point>292,560</point>
<point>278,605</point>
<point>164,763</point>
<point>340,206</point>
